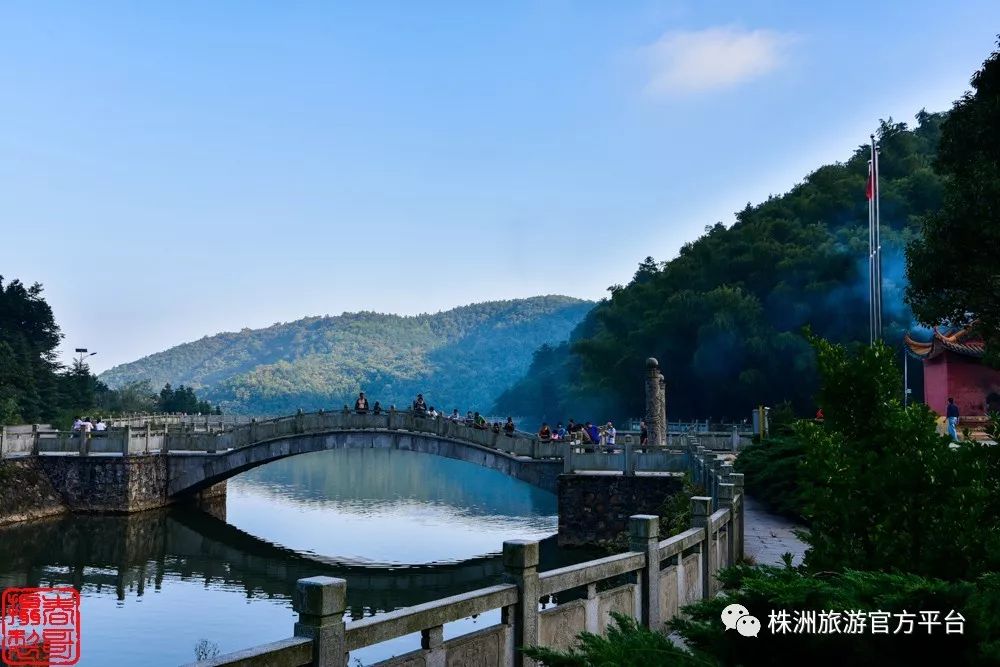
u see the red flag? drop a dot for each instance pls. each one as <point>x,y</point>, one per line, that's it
<point>870,187</point>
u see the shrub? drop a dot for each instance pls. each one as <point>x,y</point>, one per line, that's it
<point>772,472</point>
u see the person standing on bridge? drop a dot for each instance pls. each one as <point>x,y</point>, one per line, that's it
<point>361,405</point>
<point>377,410</point>
<point>544,433</point>
<point>509,427</point>
<point>420,406</point>
<point>609,436</point>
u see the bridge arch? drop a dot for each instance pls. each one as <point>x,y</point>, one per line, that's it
<point>212,462</point>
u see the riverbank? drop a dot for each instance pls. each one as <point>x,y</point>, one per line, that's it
<point>26,492</point>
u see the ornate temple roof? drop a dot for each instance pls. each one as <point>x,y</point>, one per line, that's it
<point>960,341</point>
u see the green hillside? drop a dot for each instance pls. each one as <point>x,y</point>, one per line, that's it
<point>725,316</point>
<point>459,358</point>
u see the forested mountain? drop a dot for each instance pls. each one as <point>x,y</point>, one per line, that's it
<point>459,358</point>
<point>725,316</point>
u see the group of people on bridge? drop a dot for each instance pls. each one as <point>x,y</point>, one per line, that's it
<point>587,433</point>
<point>421,409</point>
<point>86,424</point>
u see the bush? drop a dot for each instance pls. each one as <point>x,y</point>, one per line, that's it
<point>627,644</point>
<point>881,489</point>
<point>772,472</point>
<point>763,590</point>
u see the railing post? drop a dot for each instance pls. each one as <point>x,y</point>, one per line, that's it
<point>714,464</point>
<point>726,501</point>
<point>739,502</point>
<point>520,560</point>
<point>629,457</point>
<point>35,439</point>
<point>149,428</point>
<point>3,440</point>
<point>84,443</point>
<point>568,457</point>
<point>701,513</point>
<point>127,433</point>
<point>431,640</point>
<point>321,602</point>
<point>300,421</point>
<point>644,537</point>
<point>392,418</point>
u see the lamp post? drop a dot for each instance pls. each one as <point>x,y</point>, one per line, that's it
<point>82,351</point>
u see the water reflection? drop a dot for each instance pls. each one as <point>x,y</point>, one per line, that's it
<point>380,506</point>
<point>154,584</point>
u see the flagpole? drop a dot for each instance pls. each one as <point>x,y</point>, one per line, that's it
<point>871,263</point>
<point>876,247</point>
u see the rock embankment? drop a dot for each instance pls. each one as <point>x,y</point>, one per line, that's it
<point>26,492</point>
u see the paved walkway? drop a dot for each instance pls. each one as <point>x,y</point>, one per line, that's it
<point>767,536</point>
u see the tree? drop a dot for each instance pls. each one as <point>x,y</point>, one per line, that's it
<point>954,266</point>
<point>881,489</point>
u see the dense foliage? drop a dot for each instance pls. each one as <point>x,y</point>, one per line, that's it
<point>724,317</point>
<point>767,589</point>
<point>35,388</point>
<point>459,358</point>
<point>773,466</point>
<point>882,489</point>
<point>33,385</point>
<point>954,267</point>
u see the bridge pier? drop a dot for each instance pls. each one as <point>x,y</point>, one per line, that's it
<point>594,508</point>
<point>108,483</point>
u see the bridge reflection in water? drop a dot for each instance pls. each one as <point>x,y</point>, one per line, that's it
<point>158,581</point>
<point>128,555</point>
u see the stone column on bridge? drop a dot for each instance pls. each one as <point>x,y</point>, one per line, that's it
<point>656,404</point>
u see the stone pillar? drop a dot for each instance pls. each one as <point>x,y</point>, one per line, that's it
<point>726,502</point>
<point>739,502</point>
<point>520,560</point>
<point>321,602</point>
<point>35,444</point>
<point>701,513</point>
<point>644,537</point>
<point>3,439</point>
<point>666,424</point>
<point>715,464</point>
<point>655,404</point>
<point>127,439</point>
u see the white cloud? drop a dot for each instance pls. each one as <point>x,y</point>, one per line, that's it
<point>701,60</point>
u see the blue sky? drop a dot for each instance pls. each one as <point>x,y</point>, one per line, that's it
<point>174,169</point>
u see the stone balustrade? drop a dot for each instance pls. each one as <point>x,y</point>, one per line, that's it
<point>651,583</point>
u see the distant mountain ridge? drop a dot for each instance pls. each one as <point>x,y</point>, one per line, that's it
<point>464,357</point>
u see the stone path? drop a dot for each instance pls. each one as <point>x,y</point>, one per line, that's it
<point>767,536</point>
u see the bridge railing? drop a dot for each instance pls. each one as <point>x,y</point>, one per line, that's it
<point>320,422</point>
<point>627,458</point>
<point>651,583</point>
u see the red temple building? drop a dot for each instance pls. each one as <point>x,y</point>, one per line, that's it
<point>953,366</point>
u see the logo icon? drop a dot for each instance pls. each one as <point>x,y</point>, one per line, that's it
<point>737,617</point>
<point>732,614</point>
<point>40,626</point>
<point>748,626</point>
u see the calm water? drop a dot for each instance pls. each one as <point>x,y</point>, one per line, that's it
<point>401,527</point>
